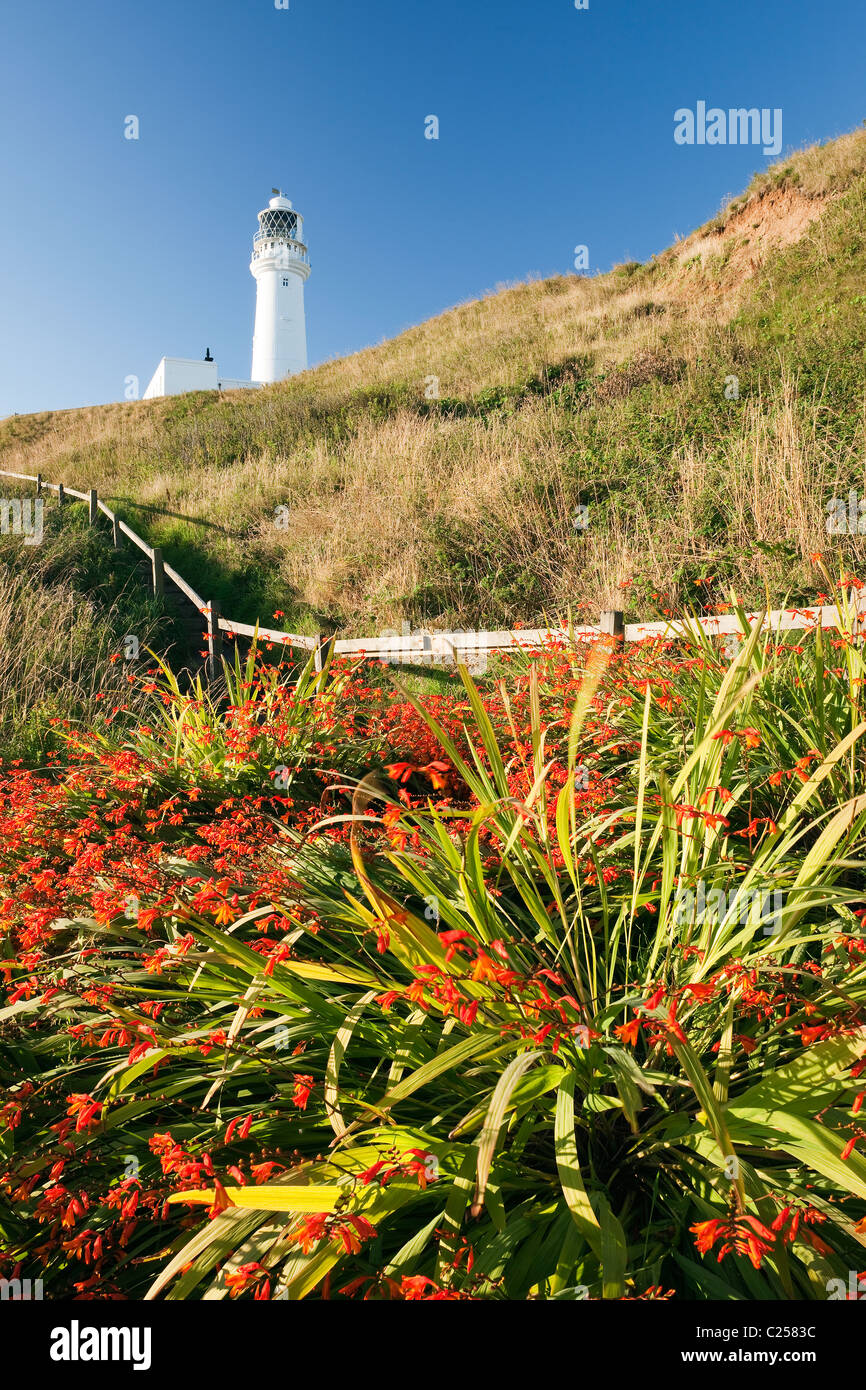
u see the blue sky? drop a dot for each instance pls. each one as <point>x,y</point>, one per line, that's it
<point>556,129</point>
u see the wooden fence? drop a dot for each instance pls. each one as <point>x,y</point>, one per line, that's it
<point>216,624</point>
<point>425,648</point>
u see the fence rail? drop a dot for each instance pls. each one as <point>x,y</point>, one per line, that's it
<point>428,647</point>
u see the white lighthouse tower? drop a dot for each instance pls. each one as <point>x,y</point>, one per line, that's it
<point>280,265</point>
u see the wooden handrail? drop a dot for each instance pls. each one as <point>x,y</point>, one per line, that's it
<point>195,599</point>
<point>136,539</point>
<point>267,634</point>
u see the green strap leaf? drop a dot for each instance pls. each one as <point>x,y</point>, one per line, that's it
<point>493,1121</point>
<point>568,1167</point>
<point>614,1251</point>
<point>335,1057</point>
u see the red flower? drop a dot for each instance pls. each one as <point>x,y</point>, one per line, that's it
<point>87,1110</point>
<point>628,1032</point>
<point>655,999</point>
<point>738,1234</point>
<point>303,1087</point>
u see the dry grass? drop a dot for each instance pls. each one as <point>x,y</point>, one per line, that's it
<point>816,170</point>
<point>56,646</point>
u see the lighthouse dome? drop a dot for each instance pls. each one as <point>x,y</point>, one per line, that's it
<point>279,222</point>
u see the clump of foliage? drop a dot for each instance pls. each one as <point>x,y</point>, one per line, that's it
<point>329,992</point>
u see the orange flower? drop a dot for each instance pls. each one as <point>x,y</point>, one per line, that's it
<point>628,1032</point>
<point>244,1275</point>
<point>702,992</point>
<point>437,773</point>
<point>484,968</point>
<point>401,772</point>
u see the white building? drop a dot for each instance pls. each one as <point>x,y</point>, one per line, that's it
<point>174,375</point>
<point>280,266</point>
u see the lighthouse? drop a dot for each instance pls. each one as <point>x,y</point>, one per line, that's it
<point>280,266</point>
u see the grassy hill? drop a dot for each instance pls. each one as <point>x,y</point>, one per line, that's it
<point>612,393</point>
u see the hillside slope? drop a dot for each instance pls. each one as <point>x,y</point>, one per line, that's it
<point>614,394</point>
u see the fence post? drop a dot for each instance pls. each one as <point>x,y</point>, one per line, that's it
<point>115,532</point>
<point>611,622</point>
<point>60,495</point>
<point>214,639</point>
<point>38,484</point>
<point>92,517</point>
<point>158,572</point>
